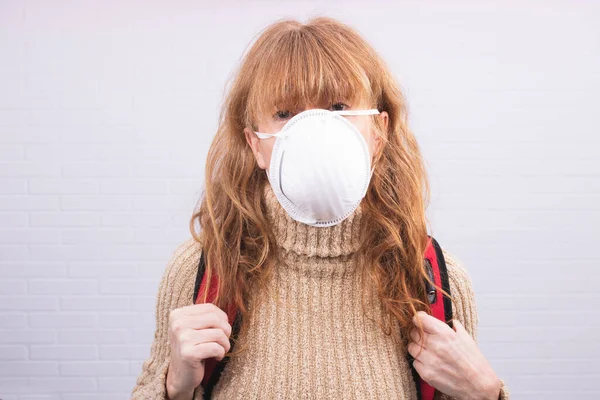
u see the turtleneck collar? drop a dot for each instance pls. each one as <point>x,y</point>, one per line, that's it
<point>306,240</point>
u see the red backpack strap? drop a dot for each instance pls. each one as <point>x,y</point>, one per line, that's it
<point>441,306</point>
<point>212,367</point>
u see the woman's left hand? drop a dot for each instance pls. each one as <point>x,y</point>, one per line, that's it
<point>450,361</point>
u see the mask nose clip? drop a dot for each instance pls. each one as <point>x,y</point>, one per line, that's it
<point>323,119</point>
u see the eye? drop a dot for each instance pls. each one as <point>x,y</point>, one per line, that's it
<point>282,114</point>
<point>339,106</point>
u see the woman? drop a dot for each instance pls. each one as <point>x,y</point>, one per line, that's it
<point>313,218</point>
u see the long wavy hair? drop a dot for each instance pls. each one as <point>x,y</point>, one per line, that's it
<point>289,66</point>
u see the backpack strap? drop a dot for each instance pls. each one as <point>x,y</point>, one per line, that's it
<point>441,305</point>
<point>212,367</point>
<point>441,308</point>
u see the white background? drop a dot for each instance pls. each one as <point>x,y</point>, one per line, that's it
<point>107,109</point>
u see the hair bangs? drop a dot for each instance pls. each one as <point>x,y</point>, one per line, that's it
<point>303,70</point>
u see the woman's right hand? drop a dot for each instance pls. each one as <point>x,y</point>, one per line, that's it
<point>196,332</point>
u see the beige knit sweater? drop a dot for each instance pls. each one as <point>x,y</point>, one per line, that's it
<point>308,338</point>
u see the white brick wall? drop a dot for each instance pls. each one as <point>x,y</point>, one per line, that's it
<point>107,109</point>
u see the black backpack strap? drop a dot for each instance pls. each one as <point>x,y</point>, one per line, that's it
<point>199,276</point>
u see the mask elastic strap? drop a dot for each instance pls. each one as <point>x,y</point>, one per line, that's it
<point>372,111</point>
<point>268,135</point>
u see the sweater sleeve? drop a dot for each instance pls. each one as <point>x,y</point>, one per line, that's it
<point>175,290</point>
<point>464,308</point>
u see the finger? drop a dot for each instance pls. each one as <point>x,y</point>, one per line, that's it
<point>211,320</point>
<point>416,337</point>
<point>421,369</point>
<point>458,327</point>
<point>203,308</point>
<point>213,335</point>
<point>202,351</point>
<point>415,349</point>
<point>195,337</point>
<point>431,324</point>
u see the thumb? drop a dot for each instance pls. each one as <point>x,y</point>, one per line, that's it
<point>458,326</point>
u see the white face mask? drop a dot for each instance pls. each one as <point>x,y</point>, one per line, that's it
<point>320,166</point>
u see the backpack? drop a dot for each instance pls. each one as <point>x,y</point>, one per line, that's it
<point>441,308</point>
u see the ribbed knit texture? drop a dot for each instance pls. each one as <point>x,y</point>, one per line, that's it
<point>308,337</point>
